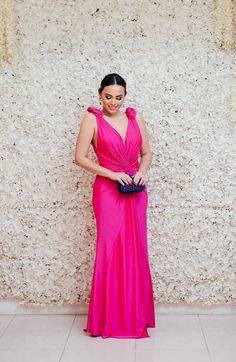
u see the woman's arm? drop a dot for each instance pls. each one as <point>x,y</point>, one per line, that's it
<point>83,143</point>
<point>145,151</point>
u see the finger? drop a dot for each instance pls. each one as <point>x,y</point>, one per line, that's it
<point>139,180</point>
<point>129,179</point>
<point>122,181</point>
<point>126,181</point>
<point>138,177</point>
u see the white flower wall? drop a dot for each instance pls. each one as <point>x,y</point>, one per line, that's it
<point>179,80</point>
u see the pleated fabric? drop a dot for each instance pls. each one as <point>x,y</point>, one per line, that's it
<point>121,299</point>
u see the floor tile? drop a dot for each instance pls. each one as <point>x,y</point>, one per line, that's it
<point>98,356</point>
<point>172,340</point>
<point>223,355</point>
<point>5,320</point>
<point>30,356</point>
<point>78,339</point>
<point>219,331</point>
<point>173,355</point>
<point>175,322</point>
<point>37,332</point>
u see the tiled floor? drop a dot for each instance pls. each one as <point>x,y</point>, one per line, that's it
<point>54,338</point>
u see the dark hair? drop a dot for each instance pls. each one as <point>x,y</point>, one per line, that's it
<point>111,79</point>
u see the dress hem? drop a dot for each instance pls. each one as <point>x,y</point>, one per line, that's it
<point>143,335</point>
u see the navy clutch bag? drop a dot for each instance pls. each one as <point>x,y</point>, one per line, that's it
<point>125,189</point>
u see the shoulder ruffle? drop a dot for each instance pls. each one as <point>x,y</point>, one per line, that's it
<point>130,111</point>
<point>95,110</point>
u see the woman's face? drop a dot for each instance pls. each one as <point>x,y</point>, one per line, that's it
<point>112,98</point>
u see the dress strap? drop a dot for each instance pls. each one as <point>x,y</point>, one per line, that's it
<point>95,110</point>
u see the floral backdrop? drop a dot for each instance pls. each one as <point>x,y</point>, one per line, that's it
<point>182,82</point>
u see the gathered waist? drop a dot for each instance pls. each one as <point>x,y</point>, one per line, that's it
<point>129,169</point>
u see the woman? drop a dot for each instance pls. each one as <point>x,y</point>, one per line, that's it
<point>121,300</point>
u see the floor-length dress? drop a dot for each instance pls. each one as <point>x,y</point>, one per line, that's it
<point>121,299</point>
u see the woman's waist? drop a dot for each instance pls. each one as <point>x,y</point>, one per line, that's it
<point>129,168</point>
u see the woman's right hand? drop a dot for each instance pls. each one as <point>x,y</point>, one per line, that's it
<point>122,177</point>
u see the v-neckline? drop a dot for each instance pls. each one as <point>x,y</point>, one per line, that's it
<point>124,141</point>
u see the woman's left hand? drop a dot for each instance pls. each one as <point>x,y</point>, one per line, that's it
<point>140,178</point>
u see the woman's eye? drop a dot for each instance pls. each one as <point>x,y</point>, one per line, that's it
<point>119,99</point>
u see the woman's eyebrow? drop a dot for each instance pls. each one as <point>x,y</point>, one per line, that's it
<point>119,95</point>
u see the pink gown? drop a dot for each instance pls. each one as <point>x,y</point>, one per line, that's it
<point>121,298</point>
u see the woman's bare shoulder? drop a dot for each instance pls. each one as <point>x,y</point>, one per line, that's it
<point>139,118</point>
<point>88,118</point>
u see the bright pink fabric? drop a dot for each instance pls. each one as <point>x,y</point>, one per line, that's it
<point>121,300</point>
